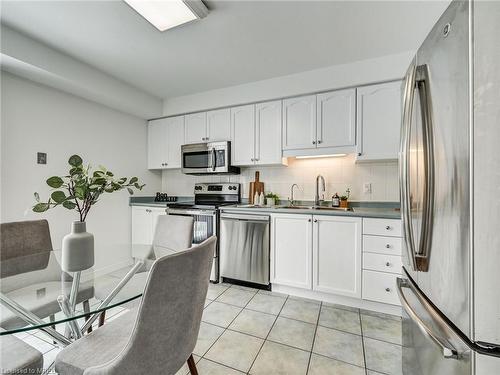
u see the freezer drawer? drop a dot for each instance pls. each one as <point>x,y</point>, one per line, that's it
<point>245,248</point>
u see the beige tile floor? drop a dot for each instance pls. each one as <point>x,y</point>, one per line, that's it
<point>247,331</point>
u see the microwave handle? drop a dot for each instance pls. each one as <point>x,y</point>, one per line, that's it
<point>214,156</point>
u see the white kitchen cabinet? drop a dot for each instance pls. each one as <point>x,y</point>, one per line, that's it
<point>291,250</point>
<point>218,125</point>
<point>243,135</point>
<point>337,255</point>
<point>157,144</point>
<point>378,121</point>
<point>299,123</point>
<point>336,119</point>
<point>144,221</point>
<point>268,127</point>
<point>195,127</point>
<point>175,139</point>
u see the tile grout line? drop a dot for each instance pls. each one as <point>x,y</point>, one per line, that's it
<point>314,337</point>
<point>265,340</point>
<point>363,343</point>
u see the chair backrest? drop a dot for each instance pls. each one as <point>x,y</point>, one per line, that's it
<point>173,232</point>
<point>169,316</point>
<point>25,246</point>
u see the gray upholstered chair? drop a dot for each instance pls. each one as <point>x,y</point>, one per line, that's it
<point>27,265</point>
<point>17,357</point>
<point>172,234</point>
<point>159,336</point>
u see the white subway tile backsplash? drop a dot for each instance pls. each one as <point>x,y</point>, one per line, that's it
<point>339,173</point>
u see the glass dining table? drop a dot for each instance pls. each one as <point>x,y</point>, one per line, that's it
<point>36,294</point>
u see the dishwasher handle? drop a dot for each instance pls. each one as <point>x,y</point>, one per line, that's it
<point>243,217</point>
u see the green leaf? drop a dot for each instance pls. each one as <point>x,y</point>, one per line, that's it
<point>109,174</point>
<point>130,191</point>
<point>75,161</point>
<point>98,173</point>
<point>37,197</point>
<point>58,196</point>
<point>41,207</point>
<point>133,180</point>
<point>75,171</point>
<point>137,186</point>
<point>55,182</point>
<point>122,180</point>
<point>80,192</point>
<point>69,205</point>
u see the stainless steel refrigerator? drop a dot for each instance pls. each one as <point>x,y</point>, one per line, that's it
<point>450,196</point>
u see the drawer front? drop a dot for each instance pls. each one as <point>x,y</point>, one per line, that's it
<point>382,263</point>
<point>382,245</point>
<point>382,227</point>
<point>380,287</point>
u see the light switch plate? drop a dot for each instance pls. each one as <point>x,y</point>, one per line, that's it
<point>41,158</point>
<point>367,188</point>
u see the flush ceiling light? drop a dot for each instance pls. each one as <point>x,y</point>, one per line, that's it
<point>165,14</point>
<point>320,156</point>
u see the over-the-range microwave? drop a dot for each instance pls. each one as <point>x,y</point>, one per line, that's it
<point>207,158</point>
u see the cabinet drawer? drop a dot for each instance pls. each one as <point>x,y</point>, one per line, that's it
<point>382,245</point>
<point>382,227</point>
<point>382,263</point>
<point>380,287</point>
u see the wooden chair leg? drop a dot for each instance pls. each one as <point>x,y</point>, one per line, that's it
<point>192,365</point>
<point>86,309</point>
<point>102,317</point>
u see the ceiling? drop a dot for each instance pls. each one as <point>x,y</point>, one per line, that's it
<point>238,42</point>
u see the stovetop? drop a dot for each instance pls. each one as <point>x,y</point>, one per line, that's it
<point>199,206</point>
<point>210,196</point>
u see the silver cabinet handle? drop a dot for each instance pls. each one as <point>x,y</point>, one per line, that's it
<point>447,350</point>
<point>315,220</point>
<point>207,138</point>
<point>388,227</point>
<point>319,142</point>
<point>387,289</point>
<point>388,264</point>
<point>387,246</point>
<point>314,142</point>
<point>309,220</point>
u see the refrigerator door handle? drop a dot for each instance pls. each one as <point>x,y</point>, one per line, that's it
<point>447,350</point>
<point>408,97</point>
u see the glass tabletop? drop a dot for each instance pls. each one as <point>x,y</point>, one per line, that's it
<point>34,287</point>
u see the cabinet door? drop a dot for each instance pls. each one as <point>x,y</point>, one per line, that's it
<point>299,123</point>
<point>337,118</point>
<point>219,125</point>
<point>268,133</point>
<point>175,139</point>
<point>379,121</point>
<point>154,213</point>
<point>157,144</point>
<point>243,135</point>
<point>291,250</point>
<point>141,226</point>
<point>195,127</point>
<point>337,255</point>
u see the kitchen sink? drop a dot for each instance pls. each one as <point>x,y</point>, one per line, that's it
<point>319,208</point>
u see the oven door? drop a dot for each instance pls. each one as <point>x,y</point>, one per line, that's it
<point>205,226</point>
<point>205,158</point>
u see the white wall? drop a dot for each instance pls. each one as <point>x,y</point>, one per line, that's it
<point>340,174</point>
<point>39,118</point>
<point>358,73</point>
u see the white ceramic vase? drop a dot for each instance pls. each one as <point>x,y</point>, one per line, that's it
<point>77,248</point>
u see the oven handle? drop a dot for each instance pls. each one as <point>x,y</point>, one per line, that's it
<point>174,211</point>
<point>244,217</point>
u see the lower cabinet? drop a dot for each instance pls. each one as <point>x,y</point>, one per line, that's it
<point>144,221</point>
<point>291,250</point>
<point>321,253</point>
<point>337,255</point>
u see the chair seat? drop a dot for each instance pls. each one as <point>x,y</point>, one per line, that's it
<point>18,357</point>
<point>40,299</point>
<point>98,347</point>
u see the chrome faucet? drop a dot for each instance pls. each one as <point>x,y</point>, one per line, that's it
<point>291,201</point>
<point>323,188</point>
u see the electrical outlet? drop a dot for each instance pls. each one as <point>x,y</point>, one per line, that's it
<point>41,158</point>
<point>367,188</point>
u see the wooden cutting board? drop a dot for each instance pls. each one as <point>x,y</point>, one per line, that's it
<point>255,187</point>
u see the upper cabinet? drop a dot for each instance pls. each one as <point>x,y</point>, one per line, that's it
<point>320,124</point>
<point>336,119</point>
<point>195,127</point>
<point>165,137</point>
<point>218,125</point>
<point>256,134</point>
<point>299,123</point>
<point>378,121</point>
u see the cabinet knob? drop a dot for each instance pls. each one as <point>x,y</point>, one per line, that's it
<point>314,142</point>
<point>359,153</point>
<point>387,289</point>
<point>387,246</point>
<point>207,138</point>
<point>257,159</point>
<point>252,159</point>
<point>315,220</point>
<point>388,264</point>
<point>388,227</point>
<point>309,220</point>
<point>320,142</point>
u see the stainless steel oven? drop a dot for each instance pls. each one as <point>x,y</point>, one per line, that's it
<point>207,158</point>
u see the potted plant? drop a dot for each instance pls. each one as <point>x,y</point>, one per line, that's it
<point>344,199</point>
<point>80,190</point>
<point>271,199</point>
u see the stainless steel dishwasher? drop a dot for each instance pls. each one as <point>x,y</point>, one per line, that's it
<point>244,247</point>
